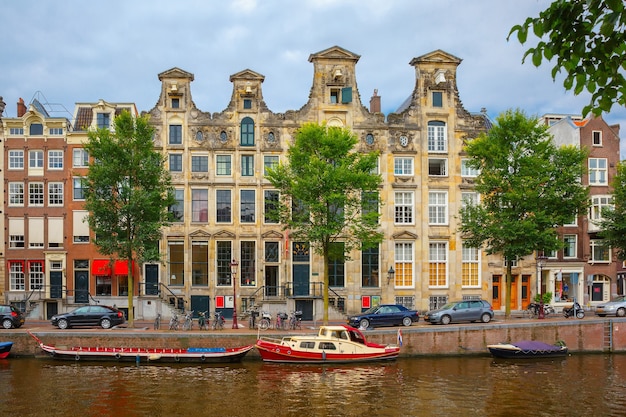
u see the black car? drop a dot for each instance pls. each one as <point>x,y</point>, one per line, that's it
<point>384,315</point>
<point>92,315</point>
<point>11,317</point>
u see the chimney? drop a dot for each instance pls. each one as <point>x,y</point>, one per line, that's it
<point>2,106</point>
<point>21,108</point>
<point>375,102</point>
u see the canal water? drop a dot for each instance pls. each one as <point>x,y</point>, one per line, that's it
<point>580,385</point>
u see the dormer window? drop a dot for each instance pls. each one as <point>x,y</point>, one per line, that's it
<point>437,99</point>
<point>36,129</point>
<point>341,95</point>
<point>247,103</point>
<point>175,103</point>
<point>103,120</point>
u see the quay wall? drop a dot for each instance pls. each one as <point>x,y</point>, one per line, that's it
<point>588,335</point>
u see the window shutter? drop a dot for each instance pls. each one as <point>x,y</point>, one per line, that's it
<point>346,95</point>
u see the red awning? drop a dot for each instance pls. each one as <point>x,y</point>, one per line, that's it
<point>101,267</point>
<point>121,267</point>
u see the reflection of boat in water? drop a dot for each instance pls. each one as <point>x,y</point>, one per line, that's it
<point>527,349</point>
<point>155,355</point>
<point>332,344</point>
<point>5,349</point>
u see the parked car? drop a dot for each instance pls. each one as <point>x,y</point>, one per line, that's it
<point>11,317</point>
<point>615,307</point>
<point>384,315</point>
<point>91,315</point>
<point>456,311</point>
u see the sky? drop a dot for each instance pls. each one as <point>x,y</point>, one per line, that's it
<point>81,51</point>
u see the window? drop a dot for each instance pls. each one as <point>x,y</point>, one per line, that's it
<point>35,194</point>
<point>80,226</point>
<point>35,275</point>
<point>16,131</point>
<point>175,103</point>
<point>597,171</point>
<point>403,166</point>
<point>56,131</point>
<point>343,95</point>
<point>403,256</point>
<point>334,95</point>
<point>597,137</point>
<point>36,129</point>
<point>103,120</point>
<point>16,232</point>
<point>16,159</point>
<point>437,167</point>
<point>16,194</point>
<point>272,252</point>
<point>437,99</point>
<point>438,207</point>
<point>176,262</point>
<point>223,206</point>
<point>79,188</point>
<point>247,165</point>
<point>55,159</point>
<point>55,193</point>
<point>598,204</point>
<point>178,208</point>
<point>467,170</point>
<point>247,103</point>
<point>224,256</point>
<point>80,158</point>
<point>200,263</point>
<point>269,161</point>
<point>223,165</point>
<point>336,265</point>
<point>199,163</point>
<point>437,264</point>
<point>199,205</point>
<point>370,268</point>
<point>55,232</point>
<point>247,132</point>
<point>437,137</point>
<point>406,301</point>
<point>271,205</point>
<point>247,206</point>
<point>600,252</point>
<point>471,267</point>
<point>247,265</point>
<point>35,159</point>
<point>469,198</point>
<point>569,250</point>
<point>176,162</point>
<point>369,207</point>
<point>403,207</point>
<point>16,275</point>
<point>176,135</point>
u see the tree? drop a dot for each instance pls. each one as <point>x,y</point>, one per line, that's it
<point>128,193</point>
<point>328,194</point>
<point>588,39</point>
<point>527,188</point>
<point>613,224</point>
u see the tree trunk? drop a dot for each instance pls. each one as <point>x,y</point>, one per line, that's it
<point>131,292</point>
<point>325,274</point>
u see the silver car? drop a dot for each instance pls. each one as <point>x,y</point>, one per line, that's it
<point>615,307</point>
<point>466,310</point>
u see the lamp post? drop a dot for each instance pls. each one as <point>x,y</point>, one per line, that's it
<point>233,273</point>
<point>390,274</point>
<point>541,262</point>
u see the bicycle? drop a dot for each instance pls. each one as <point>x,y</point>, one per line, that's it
<point>203,322</point>
<point>188,324</point>
<point>266,320</point>
<point>281,321</point>
<point>157,322</point>
<point>218,321</point>
<point>295,321</point>
<point>174,322</point>
<point>252,319</point>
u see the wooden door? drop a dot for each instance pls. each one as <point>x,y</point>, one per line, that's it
<point>495,293</point>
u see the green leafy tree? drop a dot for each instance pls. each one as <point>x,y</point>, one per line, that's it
<point>128,193</point>
<point>527,188</point>
<point>613,225</point>
<point>588,40</point>
<point>328,194</point>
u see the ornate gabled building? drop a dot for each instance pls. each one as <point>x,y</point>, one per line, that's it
<point>217,163</point>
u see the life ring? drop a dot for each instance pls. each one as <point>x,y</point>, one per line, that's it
<point>118,356</point>
<point>203,358</point>
<point>289,352</point>
<point>277,350</point>
<point>77,357</point>
<point>177,358</point>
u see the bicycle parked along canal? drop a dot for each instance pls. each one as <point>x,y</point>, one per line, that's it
<point>157,322</point>
<point>174,322</point>
<point>203,321</point>
<point>218,321</point>
<point>188,324</point>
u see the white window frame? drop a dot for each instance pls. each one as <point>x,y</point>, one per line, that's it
<point>56,195</point>
<point>437,138</point>
<point>467,171</point>
<point>16,159</point>
<point>404,253</point>
<point>55,159</point>
<point>571,244</point>
<point>438,208</point>
<point>80,158</point>
<point>438,255</point>
<point>404,212</point>
<point>471,256</point>
<point>596,247</point>
<point>223,165</point>
<point>442,164</point>
<point>16,194</point>
<point>596,134</point>
<point>36,194</point>
<point>403,166</point>
<point>598,171</point>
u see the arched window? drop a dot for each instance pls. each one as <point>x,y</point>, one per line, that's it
<point>247,132</point>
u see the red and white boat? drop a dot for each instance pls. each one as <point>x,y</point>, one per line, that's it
<point>156,355</point>
<point>332,344</point>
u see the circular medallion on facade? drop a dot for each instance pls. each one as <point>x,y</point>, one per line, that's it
<point>199,136</point>
<point>271,137</point>
<point>404,140</point>
<point>223,136</point>
<point>369,139</point>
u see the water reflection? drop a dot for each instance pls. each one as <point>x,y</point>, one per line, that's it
<point>576,386</point>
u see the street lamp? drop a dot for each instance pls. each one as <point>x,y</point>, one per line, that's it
<point>390,274</point>
<point>233,273</point>
<point>541,262</point>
